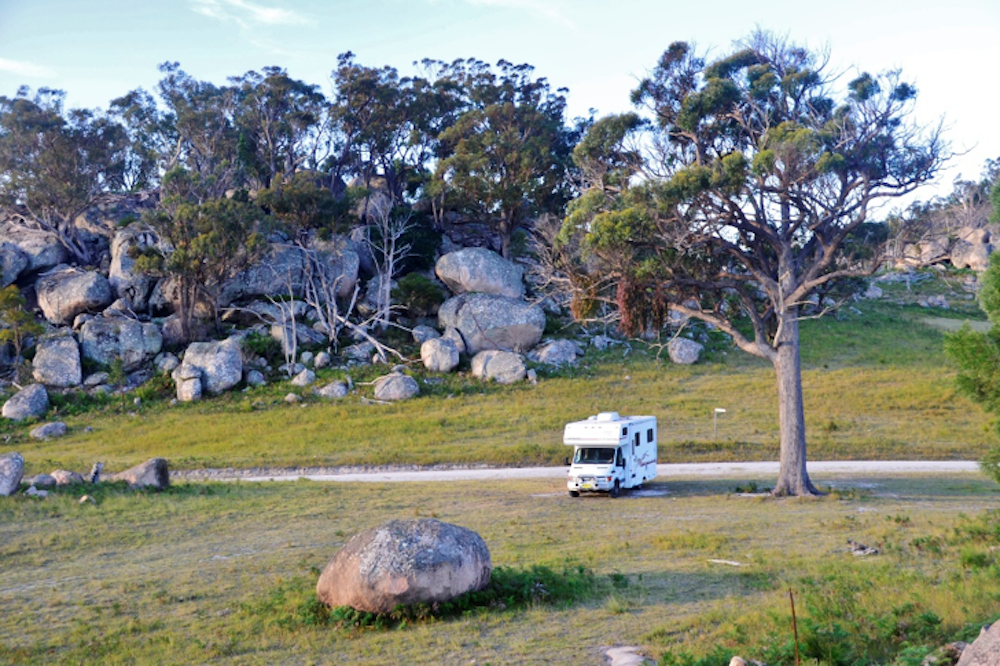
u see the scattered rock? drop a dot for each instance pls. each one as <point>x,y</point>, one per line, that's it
<point>683,351</point>
<point>293,398</point>
<point>478,270</point>
<point>362,351</point>
<point>96,379</point>
<point>332,390</point>
<point>57,362</point>
<point>35,492</point>
<point>873,291</point>
<point>66,478</point>
<point>439,355</point>
<point>860,549</point>
<point>153,473</point>
<point>405,562</point>
<point>254,378</point>
<point>187,379</point>
<point>602,342</point>
<point>30,402</point>
<point>42,481</point>
<point>49,430</point>
<point>87,499</point>
<point>452,334</point>
<point>306,357</point>
<point>322,360</point>
<point>396,386</point>
<point>95,472</point>
<point>304,378</point>
<point>500,366</point>
<point>625,656</point>
<point>946,655</point>
<point>557,352</point>
<point>165,363</point>
<point>11,472</point>
<point>422,334</point>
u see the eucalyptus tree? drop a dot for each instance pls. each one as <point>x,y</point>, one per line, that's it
<point>54,164</point>
<point>506,156</point>
<point>278,121</point>
<point>760,178</point>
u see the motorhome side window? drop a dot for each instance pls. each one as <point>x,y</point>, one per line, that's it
<point>624,432</point>
<point>649,435</point>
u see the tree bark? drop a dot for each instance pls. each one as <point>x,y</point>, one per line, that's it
<point>793,478</point>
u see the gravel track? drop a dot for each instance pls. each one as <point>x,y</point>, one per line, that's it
<point>472,473</point>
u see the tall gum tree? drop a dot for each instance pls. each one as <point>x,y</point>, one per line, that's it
<point>755,193</point>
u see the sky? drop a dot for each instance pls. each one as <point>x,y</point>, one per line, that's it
<point>598,49</point>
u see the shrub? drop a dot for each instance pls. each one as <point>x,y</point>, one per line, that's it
<point>419,295</point>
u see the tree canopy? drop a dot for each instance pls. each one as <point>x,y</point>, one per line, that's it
<point>760,173</point>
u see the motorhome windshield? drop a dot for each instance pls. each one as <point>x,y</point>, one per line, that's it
<point>594,456</point>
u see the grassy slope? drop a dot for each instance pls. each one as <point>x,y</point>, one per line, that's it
<point>876,386</point>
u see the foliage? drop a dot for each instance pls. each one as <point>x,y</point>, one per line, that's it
<point>505,158</point>
<point>977,356</point>
<point>302,205</point>
<point>17,325</point>
<point>56,163</point>
<point>262,345</point>
<point>209,239</point>
<point>418,294</point>
<point>755,195</point>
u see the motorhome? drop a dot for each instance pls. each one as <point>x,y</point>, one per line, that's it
<point>610,453</point>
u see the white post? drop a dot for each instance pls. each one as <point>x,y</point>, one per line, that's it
<point>715,423</point>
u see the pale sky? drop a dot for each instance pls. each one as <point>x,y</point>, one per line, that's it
<point>599,49</point>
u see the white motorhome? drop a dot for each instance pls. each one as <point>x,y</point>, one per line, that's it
<point>611,452</point>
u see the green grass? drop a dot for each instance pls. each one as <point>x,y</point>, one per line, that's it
<point>206,572</point>
<point>877,385</point>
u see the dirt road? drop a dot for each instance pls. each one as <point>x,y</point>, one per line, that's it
<point>817,470</point>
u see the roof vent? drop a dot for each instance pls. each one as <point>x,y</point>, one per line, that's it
<point>608,416</point>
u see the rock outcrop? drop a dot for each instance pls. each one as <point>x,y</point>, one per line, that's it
<point>125,281</point>
<point>66,292</point>
<point>41,248</point>
<point>103,339</point>
<point>12,263</point>
<point>57,362</point>
<point>488,321</point>
<point>405,562</point>
<point>985,650</point>
<point>478,270</point>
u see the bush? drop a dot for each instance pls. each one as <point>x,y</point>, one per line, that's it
<point>419,295</point>
<point>264,346</point>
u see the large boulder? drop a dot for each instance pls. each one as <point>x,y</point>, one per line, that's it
<point>125,281</point>
<point>154,473</point>
<point>684,351</point>
<point>220,363</point>
<point>478,270</point>
<point>972,249</point>
<point>404,562</point>
<point>66,292</point>
<point>12,263</point>
<point>270,275</point>
<point>439,355</point>
<point>41,248</point>
<point>103,339</point>
<point>30,402</point>
<point>488,321</point>
<point>11,472</point>
<point>557,352</point>
<point>499,366</point>
<point>396,386</point>
<point>985,650</point>
<point>57,362</point>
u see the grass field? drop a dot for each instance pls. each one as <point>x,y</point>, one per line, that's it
<point>876,386</point>
<point>208,572</point>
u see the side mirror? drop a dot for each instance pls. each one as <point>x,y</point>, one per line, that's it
<point>566,461</point>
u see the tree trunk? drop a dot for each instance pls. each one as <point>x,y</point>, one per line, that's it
<point>793,478</point>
